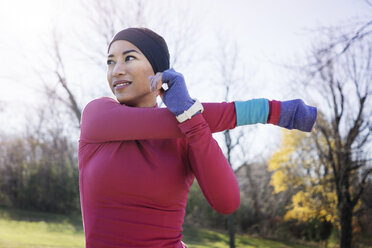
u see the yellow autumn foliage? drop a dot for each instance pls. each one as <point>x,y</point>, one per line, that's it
<point>295,167</point>
<point>304,208</point>
<point>277,180</point>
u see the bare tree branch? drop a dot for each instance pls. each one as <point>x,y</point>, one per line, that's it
<point>346,41</point>
<point>368,3</point>
<point>361,186</point>
<point>346,73</point>
<point>60,73</point>
<point>355,130</point>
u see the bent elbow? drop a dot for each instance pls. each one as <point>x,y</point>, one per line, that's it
<point>229,205</point>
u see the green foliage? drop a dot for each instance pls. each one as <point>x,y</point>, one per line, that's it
<point>314,230</point>
<point>199,212</point>
<point>258,212</point>
<point>39,174</point>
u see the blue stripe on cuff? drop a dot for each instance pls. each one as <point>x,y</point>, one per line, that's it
<point>252,111</point>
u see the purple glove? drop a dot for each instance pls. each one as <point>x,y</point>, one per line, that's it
<point>176,97</point>
<point>295,114</point>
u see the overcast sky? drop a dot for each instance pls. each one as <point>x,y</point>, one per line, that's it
<point>268,32</point>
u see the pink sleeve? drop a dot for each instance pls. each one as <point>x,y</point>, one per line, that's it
<point>105,119</point>
<point>213,172</point>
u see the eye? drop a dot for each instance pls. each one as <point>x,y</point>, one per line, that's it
<point>109,61</point>
<point>129,58</point>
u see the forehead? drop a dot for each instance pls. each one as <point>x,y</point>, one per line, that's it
<point>120,46</point>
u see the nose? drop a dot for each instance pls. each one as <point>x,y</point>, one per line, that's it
<point>118,70</point>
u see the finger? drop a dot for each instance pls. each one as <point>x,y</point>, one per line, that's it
<point>151,78</point>
<point>159,82</point>
<point>169,77</point>
<point>155,81</point>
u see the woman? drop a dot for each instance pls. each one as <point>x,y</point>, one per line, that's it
<point>137,161</point>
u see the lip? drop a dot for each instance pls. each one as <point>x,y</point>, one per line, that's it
<point>120,82</point>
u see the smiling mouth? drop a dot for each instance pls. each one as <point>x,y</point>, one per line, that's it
<point>121,84</point>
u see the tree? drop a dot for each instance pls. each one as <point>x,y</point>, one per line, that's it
<point>338,76</point>
<point>297,168</point>
<point>260,209</point>
<point>38,169</point>
<point>64,93</point>
<point>229,76</point>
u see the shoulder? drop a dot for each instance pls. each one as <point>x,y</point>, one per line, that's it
<point>99,103</point>
<point>97,106</point>
<point>101,100</point>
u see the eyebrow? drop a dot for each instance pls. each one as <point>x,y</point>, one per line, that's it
<point>125,52</point>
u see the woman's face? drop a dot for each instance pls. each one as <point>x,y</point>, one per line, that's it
<point>128,72</point>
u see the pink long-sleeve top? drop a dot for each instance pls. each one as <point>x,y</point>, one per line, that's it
<point>137,165</point>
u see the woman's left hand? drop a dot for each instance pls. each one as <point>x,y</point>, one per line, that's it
<point>175,96</point>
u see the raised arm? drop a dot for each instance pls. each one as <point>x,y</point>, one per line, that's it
<point>105,119</point>
<point>212,170</point>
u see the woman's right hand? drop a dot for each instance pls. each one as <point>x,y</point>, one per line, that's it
<point>175,96</point>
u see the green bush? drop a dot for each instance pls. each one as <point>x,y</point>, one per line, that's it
<point>39,174</point>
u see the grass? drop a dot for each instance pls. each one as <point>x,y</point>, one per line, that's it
<point>33,230</point>
<point>202,238</point>
<point>27,229</point>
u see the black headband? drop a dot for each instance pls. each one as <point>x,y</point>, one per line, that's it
<point>152,45</point>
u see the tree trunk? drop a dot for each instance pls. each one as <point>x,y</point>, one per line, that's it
<point>230,219</point>
<point>346,216</point>
<point>230,226</point>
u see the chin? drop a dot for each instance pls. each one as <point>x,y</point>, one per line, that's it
<point>121,100</point>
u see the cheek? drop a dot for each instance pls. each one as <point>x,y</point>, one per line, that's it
<point>146,68</point>
<point>149,70</point>
<point>146,78</point>
<point>144,71</point>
